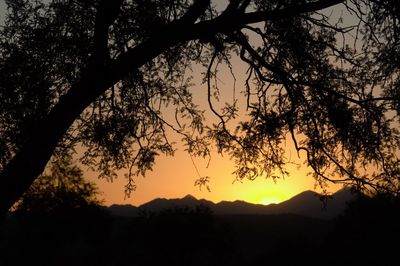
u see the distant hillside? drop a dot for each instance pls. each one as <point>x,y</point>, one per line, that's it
<point>307,203</point>
<point>157,205</point>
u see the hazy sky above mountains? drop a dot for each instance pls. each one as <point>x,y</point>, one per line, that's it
<point>174,177</point>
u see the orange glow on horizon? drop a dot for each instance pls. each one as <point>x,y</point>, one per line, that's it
<point>174,177</point>
<point>271,200</point>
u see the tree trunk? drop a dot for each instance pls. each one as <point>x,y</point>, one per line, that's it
<point>31,159</point>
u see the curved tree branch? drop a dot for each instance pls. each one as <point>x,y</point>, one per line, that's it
<point>34,154</point>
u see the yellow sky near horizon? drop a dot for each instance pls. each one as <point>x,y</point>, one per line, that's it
<point>174,177</point>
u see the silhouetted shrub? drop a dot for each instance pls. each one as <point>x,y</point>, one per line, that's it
<point>368,232</point>
<point>58,221</point>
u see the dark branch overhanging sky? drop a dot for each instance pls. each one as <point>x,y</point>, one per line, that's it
<point>169,182</point>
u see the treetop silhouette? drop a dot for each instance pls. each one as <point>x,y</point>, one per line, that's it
<point>63,188</point>
<point>104,74</point>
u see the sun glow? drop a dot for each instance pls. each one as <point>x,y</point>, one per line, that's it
<point>270,200</point>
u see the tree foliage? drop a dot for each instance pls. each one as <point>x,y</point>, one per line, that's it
<point>62,189</point>
<point>59,218</point>
<point>116,78</point>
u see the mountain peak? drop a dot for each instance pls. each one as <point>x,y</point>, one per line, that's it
<point>189,197</point>
<point>306,203</point>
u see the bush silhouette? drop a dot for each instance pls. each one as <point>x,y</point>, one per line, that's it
<point>58,221</point>
<point>368,231</point>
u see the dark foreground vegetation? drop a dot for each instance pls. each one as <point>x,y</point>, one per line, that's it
<point>60,221</point>
<point>366,234</point>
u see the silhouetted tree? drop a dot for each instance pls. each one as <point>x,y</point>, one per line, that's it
<point>59,221</point>
<point>106,74</point>
<point>63,188</point>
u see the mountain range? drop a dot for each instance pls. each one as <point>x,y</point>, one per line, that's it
<point>307,203</point>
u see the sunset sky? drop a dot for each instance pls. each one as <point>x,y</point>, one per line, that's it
<point>174,177</point>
